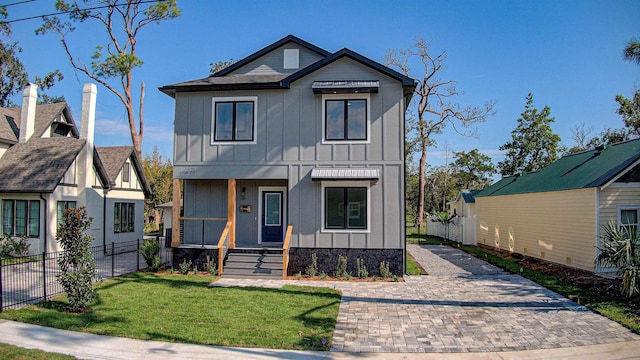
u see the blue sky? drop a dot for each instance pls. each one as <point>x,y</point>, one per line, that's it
<point>567,53</point>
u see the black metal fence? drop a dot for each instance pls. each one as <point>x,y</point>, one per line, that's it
<point>31,279</point>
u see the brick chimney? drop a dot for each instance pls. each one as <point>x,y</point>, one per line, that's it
<point>87,127</point>
<point>28,114</point>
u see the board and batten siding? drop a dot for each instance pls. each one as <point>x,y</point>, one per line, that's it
<point>272,63</point>
<point>556,226</point>
<point>289,144</point>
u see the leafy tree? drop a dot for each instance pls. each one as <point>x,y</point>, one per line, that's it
<point>632,51</point>
<point>434,106</point>
<point>13,75</point>
<point>217,66</point>
<point>159,173</point>
<point>112,65</point>
<point>533,143</point>
<point>77,266</point>
<point>472,170</point>
<point>629,110</point>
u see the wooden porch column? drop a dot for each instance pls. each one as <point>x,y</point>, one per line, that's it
<point>231,211</point>
<point>175,215</point>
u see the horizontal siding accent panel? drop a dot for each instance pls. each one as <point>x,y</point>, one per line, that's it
<point>558,224</point>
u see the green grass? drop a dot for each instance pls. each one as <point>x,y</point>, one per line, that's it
<point>16,353</point>
<point>618,311</point>
<point>412,267</point>
<point>179,308</point>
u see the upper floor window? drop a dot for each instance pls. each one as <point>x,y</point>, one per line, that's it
<point>21,217</point>
<point>234,119</point>
<point>346,117</point>
<point>126,172</point>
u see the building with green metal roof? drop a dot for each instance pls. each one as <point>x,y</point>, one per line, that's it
<point>556,213</point>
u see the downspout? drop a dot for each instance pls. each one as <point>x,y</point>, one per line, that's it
<point>104,219</point>
<point>46,230</point>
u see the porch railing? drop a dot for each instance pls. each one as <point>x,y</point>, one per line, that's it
<point>183,220</point>
<point>285,251</point>
<point>222,249</point>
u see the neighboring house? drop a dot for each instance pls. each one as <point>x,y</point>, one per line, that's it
<point>294,134</point>
<point>49,166</point>
<point>557,213</point>
<point>463,227</point>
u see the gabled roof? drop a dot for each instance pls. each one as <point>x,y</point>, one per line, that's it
<point>8,128</point>
<point>468,196</point>
<point>38,165</point>
<point>289,38</point>
<point>45,115</point>
<point>586,169</point>
<point>225,80</point>
<point>114,157</point>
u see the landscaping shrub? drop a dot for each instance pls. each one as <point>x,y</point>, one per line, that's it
<point>384,270</point>
<point>312,270</point>
<point>77,265</point>
<point>14,247</point>
<point>150,251</point>
<point>211,266</point>
<point>361,270</point>
<point>620,248</point>
<point>341,268</point>
<point>184,267</point>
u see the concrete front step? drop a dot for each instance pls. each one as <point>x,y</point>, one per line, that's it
<point>253,263</point>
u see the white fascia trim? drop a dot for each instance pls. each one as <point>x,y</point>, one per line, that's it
<point>615,178</point>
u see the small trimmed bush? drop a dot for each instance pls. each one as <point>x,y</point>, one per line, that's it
<point>150,251</point>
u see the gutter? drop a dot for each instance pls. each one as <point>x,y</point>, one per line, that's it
<point>46,230</point>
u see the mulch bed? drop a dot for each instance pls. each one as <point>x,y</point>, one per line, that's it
<point>601,288</point>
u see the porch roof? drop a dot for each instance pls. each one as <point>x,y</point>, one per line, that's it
<point>318,174</point>
<point>349,86</point>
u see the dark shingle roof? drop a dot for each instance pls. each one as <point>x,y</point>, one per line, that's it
<point>469,195</point>
<point>114,157</point>
<point>576,171</point>
<point>45,114</point>
<point>222,81</point>
<point>8,126</point>
<point>37,165</point>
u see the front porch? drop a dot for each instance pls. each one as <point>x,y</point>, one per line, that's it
<point>261,250</point>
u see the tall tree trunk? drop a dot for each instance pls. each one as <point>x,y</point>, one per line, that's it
<point>422,184</point>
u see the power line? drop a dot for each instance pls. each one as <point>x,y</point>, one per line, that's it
<point>72,11</point>
<point>18,3</point>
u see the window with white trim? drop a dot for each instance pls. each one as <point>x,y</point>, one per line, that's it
<point>234,119</point>
<point>346,118</point>
<point>628,219</point>
<point>345,208</point>
<point>21,217</point>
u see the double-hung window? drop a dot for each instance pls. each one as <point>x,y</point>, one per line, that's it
<point>61,207</point>
<point>126,169</point>
<point>234,119</point>
<point>21,217</point>
<point>628,219</point>
<point>124,217</point>
<point>345,208</point>
<point>345,119</point>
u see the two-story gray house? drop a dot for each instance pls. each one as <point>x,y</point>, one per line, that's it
<point>292,137</point>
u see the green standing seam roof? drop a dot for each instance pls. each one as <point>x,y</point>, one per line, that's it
<point>575,171</point>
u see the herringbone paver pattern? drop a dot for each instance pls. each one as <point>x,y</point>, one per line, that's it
<point>457,311</point>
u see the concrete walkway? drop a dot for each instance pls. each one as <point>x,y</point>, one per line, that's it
<point>465,309</point>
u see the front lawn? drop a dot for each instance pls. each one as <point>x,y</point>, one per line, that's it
<point>182,308</point>
<point>577,285</point>
<point>17,353</point>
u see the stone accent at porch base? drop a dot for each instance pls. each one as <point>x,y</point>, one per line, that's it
<point>300,260</point>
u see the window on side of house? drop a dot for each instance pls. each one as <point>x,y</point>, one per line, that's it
<point>345,208</point>
<point>345,120</point>
<point>234,120</point>
<point>628,219</point>
<point>126,170</point>
<point>61,207</point>
<point>21,218</point>
<point>123,217</point>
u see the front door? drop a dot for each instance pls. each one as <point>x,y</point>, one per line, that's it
<point>272,224</point>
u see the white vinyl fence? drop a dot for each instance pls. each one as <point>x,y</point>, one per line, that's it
<point>461,230</point>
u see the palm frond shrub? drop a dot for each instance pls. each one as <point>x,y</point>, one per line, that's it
<point>620,248</point>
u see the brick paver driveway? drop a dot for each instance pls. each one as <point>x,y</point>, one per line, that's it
<point>464,305</point>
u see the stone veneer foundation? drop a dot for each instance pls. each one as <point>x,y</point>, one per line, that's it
<point>300,259</point>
